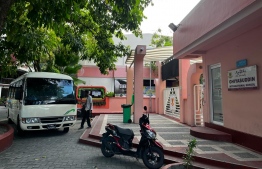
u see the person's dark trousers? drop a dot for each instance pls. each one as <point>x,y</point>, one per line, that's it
<point>85,117</point>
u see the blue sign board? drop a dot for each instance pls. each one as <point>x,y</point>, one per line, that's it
<point>241,63</point>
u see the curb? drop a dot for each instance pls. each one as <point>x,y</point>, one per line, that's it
<point>172,158</point>
<point>6,139</point>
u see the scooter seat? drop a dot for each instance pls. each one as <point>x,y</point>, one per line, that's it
<point>124,131</point>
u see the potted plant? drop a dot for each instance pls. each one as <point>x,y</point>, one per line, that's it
<point>188,157</point>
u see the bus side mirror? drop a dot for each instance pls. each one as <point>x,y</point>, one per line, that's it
<point>18,94</point>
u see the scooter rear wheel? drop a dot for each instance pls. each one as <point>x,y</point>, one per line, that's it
<point>153,158</point>
<point>105,150</point>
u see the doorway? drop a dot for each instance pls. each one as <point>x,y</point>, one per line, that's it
<point>216,94</point>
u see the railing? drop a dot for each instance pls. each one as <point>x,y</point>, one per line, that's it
<point>198,105</point>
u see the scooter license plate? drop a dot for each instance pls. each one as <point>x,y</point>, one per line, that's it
<point>51,126</point>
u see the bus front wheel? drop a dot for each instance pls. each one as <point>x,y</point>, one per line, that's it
<point>20,132</point>
<point>66,130</point>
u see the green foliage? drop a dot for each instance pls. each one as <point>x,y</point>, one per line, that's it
<point>99,103</point>
<point>201,79</point>
<point>2,99</point>
<point>188,157</point>
<point>110,94</point>
<point>159,40</point>
<point>55,35</point>
<point>153,65</point>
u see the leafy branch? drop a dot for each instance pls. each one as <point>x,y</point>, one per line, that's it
<point>188,157</point>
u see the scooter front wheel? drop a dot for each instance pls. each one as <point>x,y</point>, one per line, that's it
<point>105,147</point>
<point>153,157</point>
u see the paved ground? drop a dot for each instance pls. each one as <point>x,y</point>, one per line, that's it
<point>3,113</point>
<point>56,150</point>
<point>175,135</point>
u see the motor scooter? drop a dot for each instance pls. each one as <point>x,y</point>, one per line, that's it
<point>117,140</point>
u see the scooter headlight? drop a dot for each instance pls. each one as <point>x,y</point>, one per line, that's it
<point>151,134</point>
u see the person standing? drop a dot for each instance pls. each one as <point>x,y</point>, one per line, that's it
<point>88,111</point>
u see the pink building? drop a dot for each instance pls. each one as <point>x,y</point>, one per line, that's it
<point>116,80</point>
<point>228,37</point>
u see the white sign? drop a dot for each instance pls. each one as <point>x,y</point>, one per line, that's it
<point>243,78</point>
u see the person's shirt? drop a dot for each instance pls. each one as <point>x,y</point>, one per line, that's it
<point>89,103</point>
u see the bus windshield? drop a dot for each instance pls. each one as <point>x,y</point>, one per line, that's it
<point>49,91</point>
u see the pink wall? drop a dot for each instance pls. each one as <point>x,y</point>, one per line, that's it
<point>242,108</point>
<point>120,72</point>
<point>93,71</point>
<point>116,102</point>
<point>204,17</point>
<point>146,73</point>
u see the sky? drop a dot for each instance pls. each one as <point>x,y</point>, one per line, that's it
<point>165,12</point>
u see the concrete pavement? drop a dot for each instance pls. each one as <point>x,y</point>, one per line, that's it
<point>174,137</point>
<point>3,113</point>
<point>56,150</point>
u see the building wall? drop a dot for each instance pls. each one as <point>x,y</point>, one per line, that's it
<point>206,16</point>
<point>120,72</point>
<point>116,102</point>
<point>90,73</point>
<point>92,76</point>
<point>108,83</point>
<point>241,108</point>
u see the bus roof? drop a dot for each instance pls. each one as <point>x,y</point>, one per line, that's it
<point>43,75</point>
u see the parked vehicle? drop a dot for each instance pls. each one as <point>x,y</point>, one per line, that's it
<point>42,101</point>
<point>118,140</point>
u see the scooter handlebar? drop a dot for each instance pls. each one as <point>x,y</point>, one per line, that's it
<point>143,119</point>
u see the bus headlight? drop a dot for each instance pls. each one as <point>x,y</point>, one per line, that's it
<point>69,118</point>
<point>30,120</point>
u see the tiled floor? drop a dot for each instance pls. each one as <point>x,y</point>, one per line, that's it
<point>176,135</point>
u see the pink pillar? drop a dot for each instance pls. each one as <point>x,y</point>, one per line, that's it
<point>140,52</point>
<point>184,65</point>
<point>129,86</point>
<point>160,85</point>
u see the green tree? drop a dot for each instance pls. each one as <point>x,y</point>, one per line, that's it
<point>159,40</point>
<point>55,35</point>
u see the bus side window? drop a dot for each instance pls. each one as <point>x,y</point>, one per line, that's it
<point>9,92</point>
<point>12,91</point>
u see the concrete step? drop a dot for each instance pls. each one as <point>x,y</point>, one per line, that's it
<point>210,134</point>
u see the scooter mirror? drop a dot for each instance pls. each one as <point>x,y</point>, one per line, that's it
<point>145,108</point>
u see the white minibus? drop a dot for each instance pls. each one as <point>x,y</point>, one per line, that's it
<point>42,101</point>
